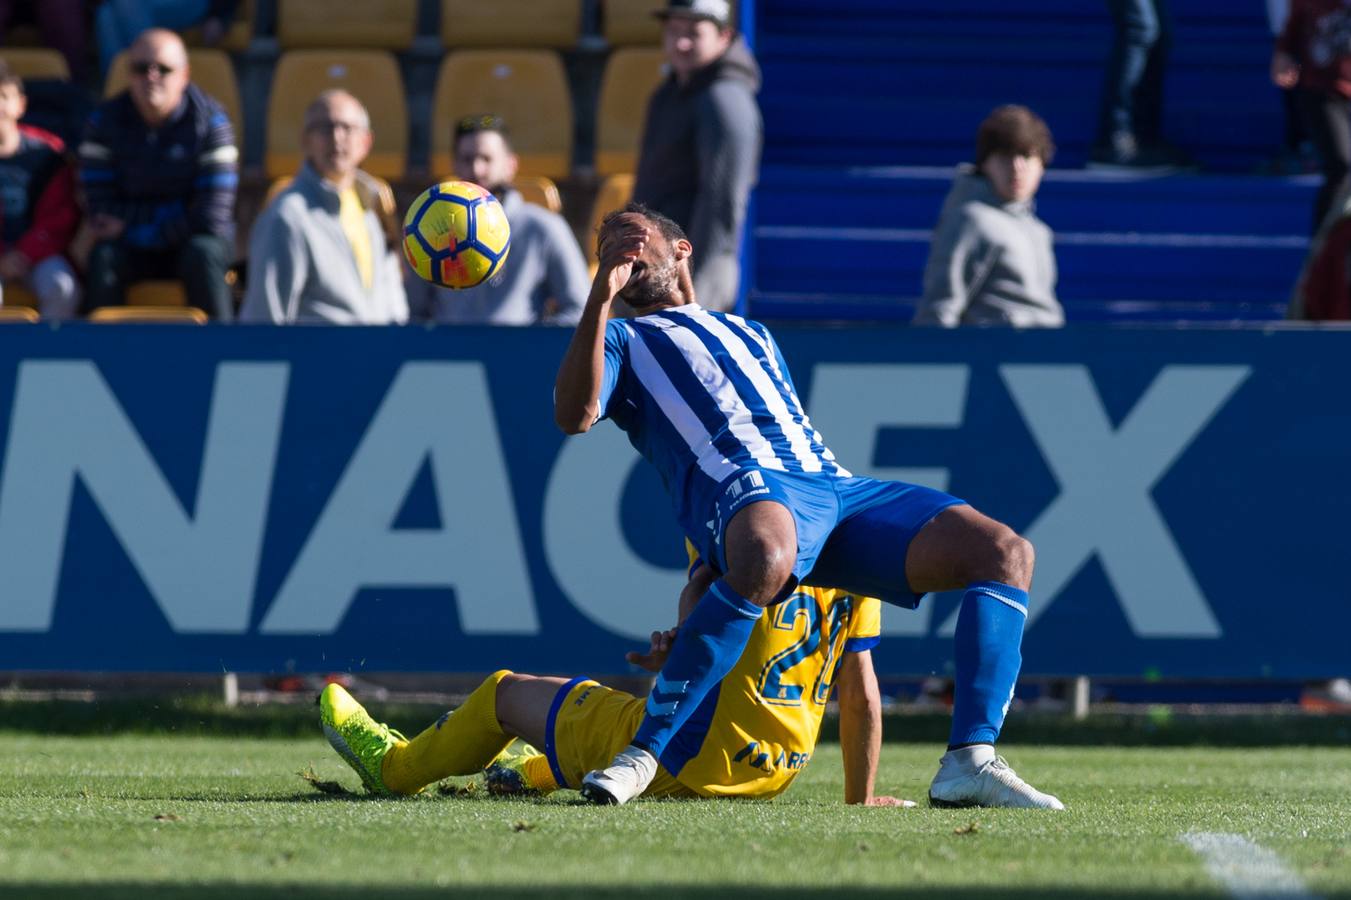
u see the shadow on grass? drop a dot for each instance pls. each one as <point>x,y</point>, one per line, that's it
<point>704,892</point>
<point>205,715</point>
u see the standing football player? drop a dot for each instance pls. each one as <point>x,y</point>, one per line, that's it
<point>707,398</point>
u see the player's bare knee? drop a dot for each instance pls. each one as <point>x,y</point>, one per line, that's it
<point>1016,559</point>
<point>761,566</point>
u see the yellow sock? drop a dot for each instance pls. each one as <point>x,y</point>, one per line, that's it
<point>461,742</point>
<point>538,774</point>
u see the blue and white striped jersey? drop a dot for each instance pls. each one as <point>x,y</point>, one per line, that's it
<point>703,395</point>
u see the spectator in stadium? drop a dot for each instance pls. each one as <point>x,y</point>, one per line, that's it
<point>1323,290</point>
<point>1130,130</point>
<point>545,279</point>
<point>159,169</point>
<point>62,26</point>
<point>1313,56</point>
<point>118,22</point>
<point>991,260</point>
<point>38,216</point>
<point>700,152</point>
<point>319,253</point>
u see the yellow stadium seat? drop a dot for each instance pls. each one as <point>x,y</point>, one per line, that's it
<point>510,23</point>
<point>384,24</point>
<point>10,314</point>
<point>167,315</point>
<point>157,293</point>
<point>540,191</point>
<point>36,63</point>
<point>614,192</point>
<point>372,76</point>
<point>527,88</point>
<point>276,187</point>
<point>211,71</point>
<point>629,22</point>
<point>17,294</point>
<point>236,37</point>
<point>631,75</point>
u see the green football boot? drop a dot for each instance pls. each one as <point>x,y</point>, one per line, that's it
<point>505,776</point>
<point>358,738</point>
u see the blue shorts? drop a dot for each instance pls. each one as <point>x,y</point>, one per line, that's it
<point>852,533</point>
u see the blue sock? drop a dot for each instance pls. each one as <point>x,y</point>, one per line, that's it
<point>708,646</point>
<point>988,641</point>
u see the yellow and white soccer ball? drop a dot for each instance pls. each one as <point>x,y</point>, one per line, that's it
<point>456,235</point>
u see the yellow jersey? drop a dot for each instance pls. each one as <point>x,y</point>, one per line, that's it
<point>756,730</point>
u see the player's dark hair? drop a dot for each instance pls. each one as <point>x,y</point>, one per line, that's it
<point>665,224</point>
<point>1015,130</point>
<point>478,124</point>
<point>9,76</point>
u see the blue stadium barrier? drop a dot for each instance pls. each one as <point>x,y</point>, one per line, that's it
<point>265,499</point>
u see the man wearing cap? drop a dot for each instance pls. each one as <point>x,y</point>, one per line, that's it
<point>700,152</point>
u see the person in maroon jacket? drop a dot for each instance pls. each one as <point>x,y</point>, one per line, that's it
<point>38,215</point>
<point>1313,57</point>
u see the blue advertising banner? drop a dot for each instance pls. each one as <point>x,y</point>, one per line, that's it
<point>260,499</point>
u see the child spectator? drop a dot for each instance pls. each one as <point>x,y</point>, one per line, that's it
<point>37,206</point>
<point>159,170</point>
<point>991,261</point>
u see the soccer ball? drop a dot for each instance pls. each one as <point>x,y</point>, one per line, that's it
<point>456,235</point>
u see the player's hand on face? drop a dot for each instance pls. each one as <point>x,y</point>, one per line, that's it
<point>655,657</point>
<point>621,244</point>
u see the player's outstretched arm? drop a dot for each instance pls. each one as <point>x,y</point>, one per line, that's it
<point>861,729</point>
<point>577,388</point>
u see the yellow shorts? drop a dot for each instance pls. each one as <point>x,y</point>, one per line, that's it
<point>588,724</point>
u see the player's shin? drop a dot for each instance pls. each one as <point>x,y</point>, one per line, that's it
<point>461,742</point>
<point>988,655</point>
<point>710,642</point>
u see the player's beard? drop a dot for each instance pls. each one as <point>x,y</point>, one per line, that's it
<point>654,287</point>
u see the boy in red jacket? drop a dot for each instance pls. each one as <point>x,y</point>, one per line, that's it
<point>38,215</point>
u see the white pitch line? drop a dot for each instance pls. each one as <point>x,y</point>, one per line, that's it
<point>1248,871</point>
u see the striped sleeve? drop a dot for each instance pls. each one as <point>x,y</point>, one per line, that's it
<point>211,209</point>
<point>98,172</point>
<point>617,336</point>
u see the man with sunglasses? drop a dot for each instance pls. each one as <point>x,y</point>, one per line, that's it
<point>159,169</point>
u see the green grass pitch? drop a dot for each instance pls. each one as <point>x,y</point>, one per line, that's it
<point>205,816</point>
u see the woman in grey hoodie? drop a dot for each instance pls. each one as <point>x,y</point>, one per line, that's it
<point>991,260</point>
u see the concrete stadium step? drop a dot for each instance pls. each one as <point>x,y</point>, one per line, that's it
<point>877,83</point>
<point>1177,248</point>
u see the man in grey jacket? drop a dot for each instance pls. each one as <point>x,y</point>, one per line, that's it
<point>318,253</point>
<point>700,153</point>
<point>544,280</point>
<point>991,260</point>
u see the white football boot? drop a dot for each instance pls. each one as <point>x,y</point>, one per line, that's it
<point>625,778</point>
<point>975,776</point>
